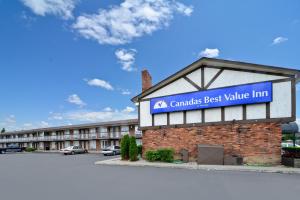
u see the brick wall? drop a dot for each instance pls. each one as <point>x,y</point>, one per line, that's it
<point>146,80</point>
<point>255,142</point>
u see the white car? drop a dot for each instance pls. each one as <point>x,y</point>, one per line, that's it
<point>286,144</point>
<point>73,150</point>
<point>112,151</point>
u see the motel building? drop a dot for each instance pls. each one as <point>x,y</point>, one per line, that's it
<point>92,137</point>
<point>238,106</point>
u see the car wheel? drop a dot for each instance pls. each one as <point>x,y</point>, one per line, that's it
<point>72,152</point>
<point>114,153</point>
<point>85,151</point>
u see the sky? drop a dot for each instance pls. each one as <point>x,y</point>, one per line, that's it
<point>66,62</point>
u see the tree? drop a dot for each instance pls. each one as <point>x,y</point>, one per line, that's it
<point>3,130</point>
<point>133,149</point>
<point>125,147</point>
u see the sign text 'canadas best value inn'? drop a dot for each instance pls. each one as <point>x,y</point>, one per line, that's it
<point>229,96</point>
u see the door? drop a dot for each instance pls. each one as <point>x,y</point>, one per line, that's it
<point>98,145</point>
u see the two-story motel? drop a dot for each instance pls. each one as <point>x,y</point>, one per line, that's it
<point>93,137</point>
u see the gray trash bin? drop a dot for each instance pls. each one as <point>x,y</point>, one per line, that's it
<point>184,155</point>
<point>210,154</point>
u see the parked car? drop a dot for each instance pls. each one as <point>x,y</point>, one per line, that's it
<point>71,150</point>
<point>111,151</point>
<point>12,148</point>
<point>288,144</point>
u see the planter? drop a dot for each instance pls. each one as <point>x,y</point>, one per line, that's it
<point>290,162</point>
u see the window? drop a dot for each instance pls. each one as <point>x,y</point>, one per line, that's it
<point>125,129</point>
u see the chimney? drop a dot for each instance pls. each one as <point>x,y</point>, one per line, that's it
<point>146,80</point>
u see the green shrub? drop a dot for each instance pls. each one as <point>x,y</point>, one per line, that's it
<point>163,155</point>
<point>140,150</point>
<point>30,149</point>
<point>125,147</point>
<point>152,156</point>
<point>133,150</point>
<point>166,155</point>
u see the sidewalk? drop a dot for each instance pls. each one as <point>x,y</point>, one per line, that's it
<point>194,166</point>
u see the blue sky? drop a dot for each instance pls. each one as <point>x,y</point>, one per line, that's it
<point>77,61</point>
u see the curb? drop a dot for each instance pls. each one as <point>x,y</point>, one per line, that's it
<point>117,162</point>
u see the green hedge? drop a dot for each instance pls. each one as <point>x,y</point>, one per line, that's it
<point>30,149</point>
<point>133,149</point>
<point>152,156</point>
<point>125,147</point>
<point>166,155</point>
<point>163,155</point>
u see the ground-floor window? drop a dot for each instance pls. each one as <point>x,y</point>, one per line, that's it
<point>104,144</point>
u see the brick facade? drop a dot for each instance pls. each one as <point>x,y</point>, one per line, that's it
<point>255,142</point>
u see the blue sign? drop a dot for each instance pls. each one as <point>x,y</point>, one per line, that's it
<point>229,96</point>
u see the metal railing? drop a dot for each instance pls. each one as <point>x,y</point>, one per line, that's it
<point>112,135</point>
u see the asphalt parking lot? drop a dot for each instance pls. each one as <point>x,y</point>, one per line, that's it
<point>41,176</point>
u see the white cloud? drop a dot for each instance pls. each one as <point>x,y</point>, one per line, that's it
<point>279,40</point>
<point>44,124</point>
<point>27,125</point>
<point>126,92</point>
<point>100,83</point>
<point>75,99</point>
<point>61,8</point>
<point>106,114</point>
<point>186,10</point>
<point>11,119</point>
<point>55,116</point>
<point>10,124</point>
<point>108,109</point>
<point>126,58</point>
<point>210,53</point>
<point>131,19</point>
<point>128,109</point>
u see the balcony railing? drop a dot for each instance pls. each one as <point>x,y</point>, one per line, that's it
<point>113,135</point>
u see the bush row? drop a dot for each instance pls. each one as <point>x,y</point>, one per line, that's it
<point>163,155</point>
<point>30,149</point>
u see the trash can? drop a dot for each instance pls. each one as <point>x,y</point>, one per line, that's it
<point>184,155</point>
